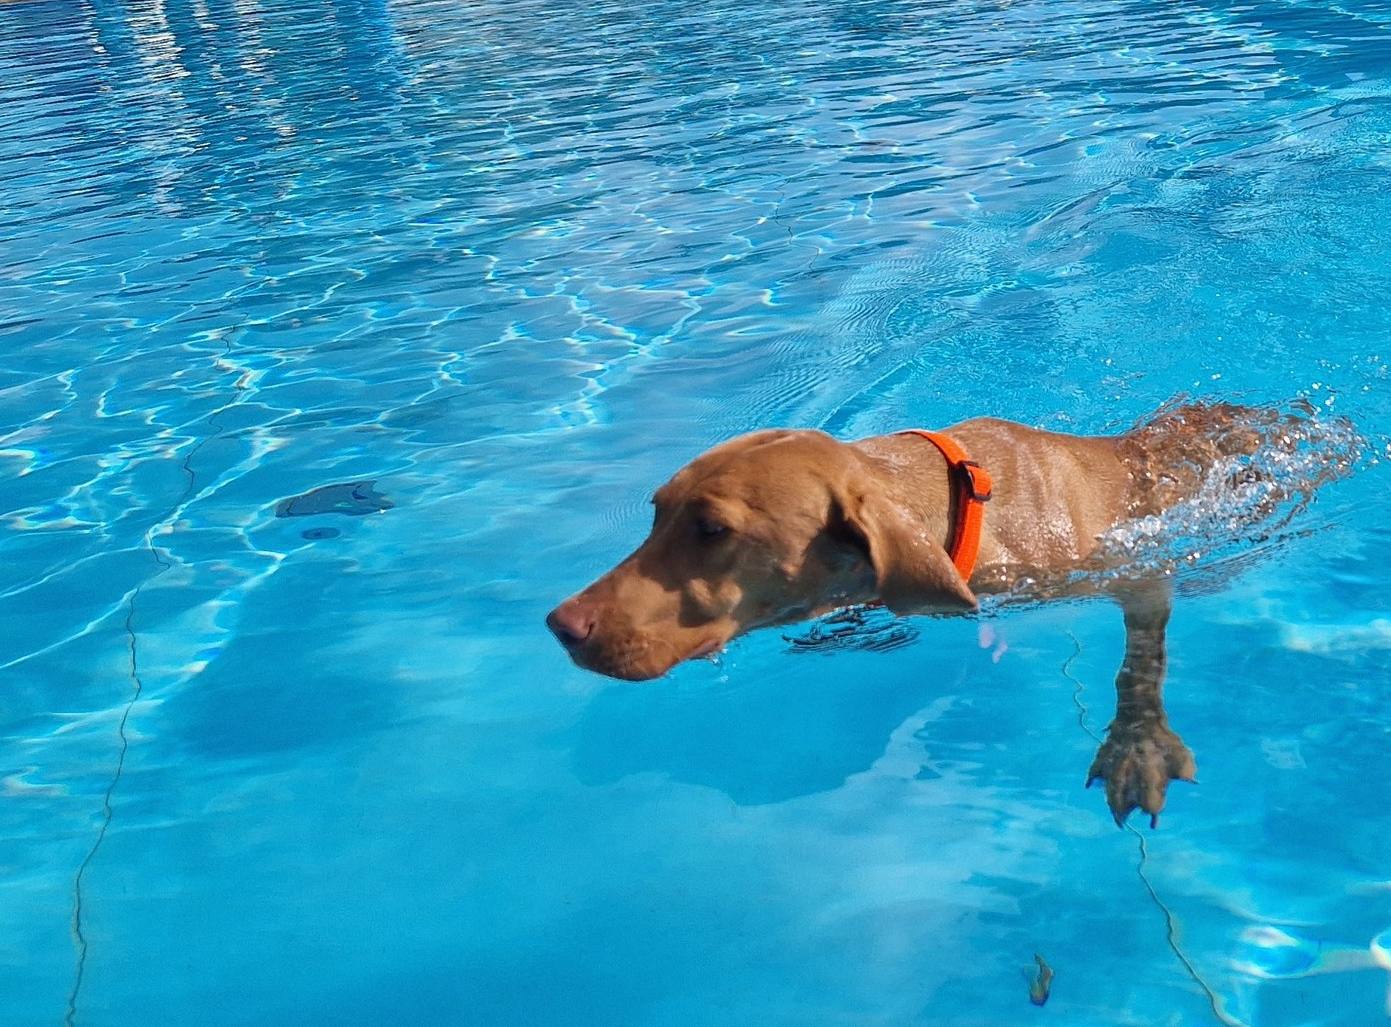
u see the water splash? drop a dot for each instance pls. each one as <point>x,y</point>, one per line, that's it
<point>1240,505</point>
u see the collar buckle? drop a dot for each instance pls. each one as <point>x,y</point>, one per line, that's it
<point>979,486</point>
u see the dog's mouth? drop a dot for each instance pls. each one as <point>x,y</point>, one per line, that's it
<point>644,661</point>
<point>709,648</point>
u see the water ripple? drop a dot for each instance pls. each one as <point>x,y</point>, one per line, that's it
<point>517,261</point>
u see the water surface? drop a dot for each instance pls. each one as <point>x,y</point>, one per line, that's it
<point>513,263</point>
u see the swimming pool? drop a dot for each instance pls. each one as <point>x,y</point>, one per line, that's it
<point>512,263</point>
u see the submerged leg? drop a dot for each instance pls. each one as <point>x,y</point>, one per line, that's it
<point>1141,755</point>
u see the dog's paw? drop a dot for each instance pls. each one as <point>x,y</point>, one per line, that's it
<point>1137,761</point>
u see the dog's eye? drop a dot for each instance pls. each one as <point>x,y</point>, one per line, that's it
<point>709,528</point>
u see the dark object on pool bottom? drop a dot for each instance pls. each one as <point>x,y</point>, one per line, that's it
<point>354,498</point>
<point>1040,986</point>
<point>315,534</point>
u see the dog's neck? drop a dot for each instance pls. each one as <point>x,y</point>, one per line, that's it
<point>914,475</point>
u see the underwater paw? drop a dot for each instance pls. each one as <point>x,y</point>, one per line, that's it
<point>1137,762</point>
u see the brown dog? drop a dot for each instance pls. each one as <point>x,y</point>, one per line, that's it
<point>779,526</point>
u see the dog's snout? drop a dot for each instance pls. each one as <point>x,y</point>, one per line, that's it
<point>571,623</point>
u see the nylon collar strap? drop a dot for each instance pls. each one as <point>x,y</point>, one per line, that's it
<point>971,489</point>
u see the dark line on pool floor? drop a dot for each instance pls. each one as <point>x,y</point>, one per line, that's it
<point>1077,689</point>
<point>137,686</point>
<point>1170,920</point>
<point>1171,930</point>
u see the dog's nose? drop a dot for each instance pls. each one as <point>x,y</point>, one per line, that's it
<point>571,623</point>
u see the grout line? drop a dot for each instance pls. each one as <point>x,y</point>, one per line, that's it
<point>1082,711</point>
<point>1171,934</point>
<point>137,687</point>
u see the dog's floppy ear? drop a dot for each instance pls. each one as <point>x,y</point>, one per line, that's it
<point>913,572</point>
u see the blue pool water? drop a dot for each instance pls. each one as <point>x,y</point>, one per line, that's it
<point>513,262</point>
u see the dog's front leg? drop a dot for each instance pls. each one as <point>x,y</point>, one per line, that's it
<point>1141,754</point>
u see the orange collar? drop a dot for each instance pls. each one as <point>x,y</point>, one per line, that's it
<point>971,490</point>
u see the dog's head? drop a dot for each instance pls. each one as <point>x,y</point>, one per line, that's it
<point>765,529</point>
